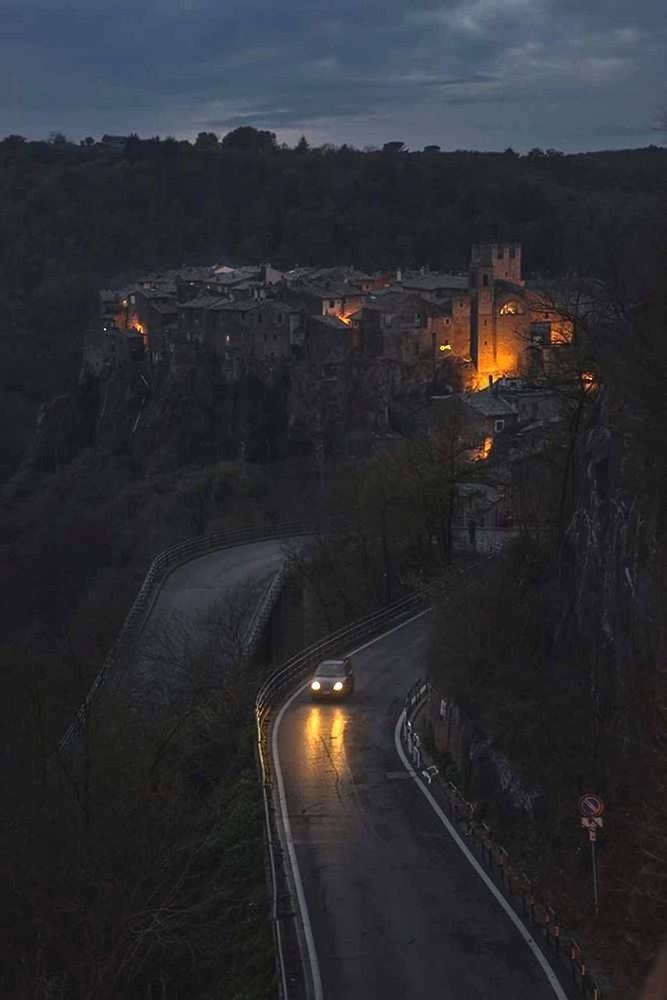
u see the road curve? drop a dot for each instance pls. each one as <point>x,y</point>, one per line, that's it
<point>173,632</point>
<point>194,587</point>
<point>394,909</point>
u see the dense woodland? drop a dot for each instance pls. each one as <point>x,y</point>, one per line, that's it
<point>74,216</point>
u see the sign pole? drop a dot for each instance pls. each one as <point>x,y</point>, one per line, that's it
<point>591,808</point>
<point>596,893</point>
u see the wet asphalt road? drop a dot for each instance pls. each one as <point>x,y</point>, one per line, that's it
<point>396,910</point>
<point>197,585</point>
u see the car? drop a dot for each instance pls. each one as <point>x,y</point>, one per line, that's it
<point>333,679</point>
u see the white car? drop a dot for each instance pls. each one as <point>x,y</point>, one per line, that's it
<point>333,679</point>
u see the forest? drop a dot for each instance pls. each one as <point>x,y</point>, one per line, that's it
<point>76,216</point>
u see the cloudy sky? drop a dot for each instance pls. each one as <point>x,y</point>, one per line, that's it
<point>483,74</point>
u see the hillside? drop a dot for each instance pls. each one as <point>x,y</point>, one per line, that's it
<point>75,217</point>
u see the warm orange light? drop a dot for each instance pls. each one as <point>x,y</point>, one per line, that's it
<point>485,449</point>
<point>445,347</point>
<point>587,381</point>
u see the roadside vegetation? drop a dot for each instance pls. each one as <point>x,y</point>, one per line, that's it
<point>133,861</point>
<point>552,656</point>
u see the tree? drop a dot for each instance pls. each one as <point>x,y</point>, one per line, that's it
<point>250,140</point>
<point>302,146</point>
<point>206,141</point>
<point>393,147</point>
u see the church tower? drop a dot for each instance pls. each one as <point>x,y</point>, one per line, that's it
<point>489,263</point>
<point>482,338</point>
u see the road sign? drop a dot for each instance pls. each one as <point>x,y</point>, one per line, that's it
<point>592,822</point>
<point>590,806</point>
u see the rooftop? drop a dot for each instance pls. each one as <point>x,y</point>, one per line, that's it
<point>330,289</point>
<point>222,305</point>
<point>487,403</point>
<point>436,282</point>
<point>203,302</point>
<point>332,321</point>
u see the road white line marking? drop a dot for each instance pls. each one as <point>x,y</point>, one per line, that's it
<point>390,632</point>
<point>289,841</point>
<point>313,962</point>
<point>469,856</point>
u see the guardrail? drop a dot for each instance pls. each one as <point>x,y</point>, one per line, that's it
<point>163,564</point>
<point>285,678</point>
<point>263,610</point>
<point>515,884</point>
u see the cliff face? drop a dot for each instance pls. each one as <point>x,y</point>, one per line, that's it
<point>609,581</point>
<point>612,627</point>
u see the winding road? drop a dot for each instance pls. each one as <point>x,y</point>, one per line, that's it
<point>175,629</point>
<point>391,908</point>
<point>193,588</point>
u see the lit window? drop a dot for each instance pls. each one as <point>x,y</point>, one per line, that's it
<point>510,309</point>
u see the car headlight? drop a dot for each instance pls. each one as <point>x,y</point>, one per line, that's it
<point>315,686</point>
<point>338,686</point>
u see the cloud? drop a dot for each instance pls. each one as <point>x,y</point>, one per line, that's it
<point>483,73</point>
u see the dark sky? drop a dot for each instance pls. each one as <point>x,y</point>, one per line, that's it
<point>483,74</point>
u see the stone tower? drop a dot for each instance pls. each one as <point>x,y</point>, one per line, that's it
<point>489,262</point>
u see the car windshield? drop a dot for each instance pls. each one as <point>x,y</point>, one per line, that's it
<point>331,668</point>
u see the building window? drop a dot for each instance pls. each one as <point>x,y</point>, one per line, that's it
<point>485,280</point>
<point>512,253</point>
<point>501,253</point>
<point>510,309</point>
<point>498,425</point>
<point>332,303</point>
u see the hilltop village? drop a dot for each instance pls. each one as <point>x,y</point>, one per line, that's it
<point>366,353</point>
